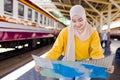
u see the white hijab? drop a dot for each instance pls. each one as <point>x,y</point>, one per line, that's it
<point>82,33</point>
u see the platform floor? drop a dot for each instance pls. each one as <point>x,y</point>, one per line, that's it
<point>31,74</point>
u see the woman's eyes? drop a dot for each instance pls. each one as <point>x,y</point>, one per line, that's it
<point>73,21</point>
<point>79,20</point>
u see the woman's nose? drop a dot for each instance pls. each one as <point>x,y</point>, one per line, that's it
<point>77,24</point>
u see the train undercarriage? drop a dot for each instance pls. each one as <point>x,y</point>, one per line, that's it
<point>21,46</point>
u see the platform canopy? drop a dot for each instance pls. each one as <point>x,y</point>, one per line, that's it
<point>93,7</point>
<point>96,10</point>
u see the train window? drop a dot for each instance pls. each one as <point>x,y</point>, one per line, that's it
<point>20,10</point>
<point>8,7</point>
<point>44,20</point>
<point>41,18</point>
<point>53,24</point>
<point>48,21</point>
<point>29,14</point>
<point>36,16</point>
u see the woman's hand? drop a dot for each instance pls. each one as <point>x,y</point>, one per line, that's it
<point>37,68</point>
<point>110,69</point>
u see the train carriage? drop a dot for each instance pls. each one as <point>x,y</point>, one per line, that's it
<point>22,23</point>
<point>115,33</point>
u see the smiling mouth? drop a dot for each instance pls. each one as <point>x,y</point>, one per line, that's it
<point>78,26</point>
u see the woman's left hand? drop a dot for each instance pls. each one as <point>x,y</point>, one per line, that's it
<point>110,69</point>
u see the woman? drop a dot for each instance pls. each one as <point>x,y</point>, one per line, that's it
<point>77,42</point>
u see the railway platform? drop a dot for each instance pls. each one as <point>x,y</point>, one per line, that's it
<point>28,72</point>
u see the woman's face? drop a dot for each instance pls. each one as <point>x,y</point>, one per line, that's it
<point>77,22</point>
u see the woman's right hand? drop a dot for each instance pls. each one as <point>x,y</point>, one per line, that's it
<point>37,68</point>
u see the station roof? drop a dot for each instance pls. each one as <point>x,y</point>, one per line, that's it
<point>93,7</point>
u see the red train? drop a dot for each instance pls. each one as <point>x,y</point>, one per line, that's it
<point>24,23</point>
<point>115,33</point>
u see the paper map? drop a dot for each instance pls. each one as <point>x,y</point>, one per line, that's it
<point>69,69</point>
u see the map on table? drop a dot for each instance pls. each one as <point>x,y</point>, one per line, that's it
<point>68,69</point>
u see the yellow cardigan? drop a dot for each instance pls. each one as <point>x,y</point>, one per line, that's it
<point>90,48</point>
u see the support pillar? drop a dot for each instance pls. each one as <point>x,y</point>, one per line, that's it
<point>101,25</point>
<point>107,49</point>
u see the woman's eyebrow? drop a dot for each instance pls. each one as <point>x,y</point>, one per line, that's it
<point>80,18</point>
<point>73,19</point>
